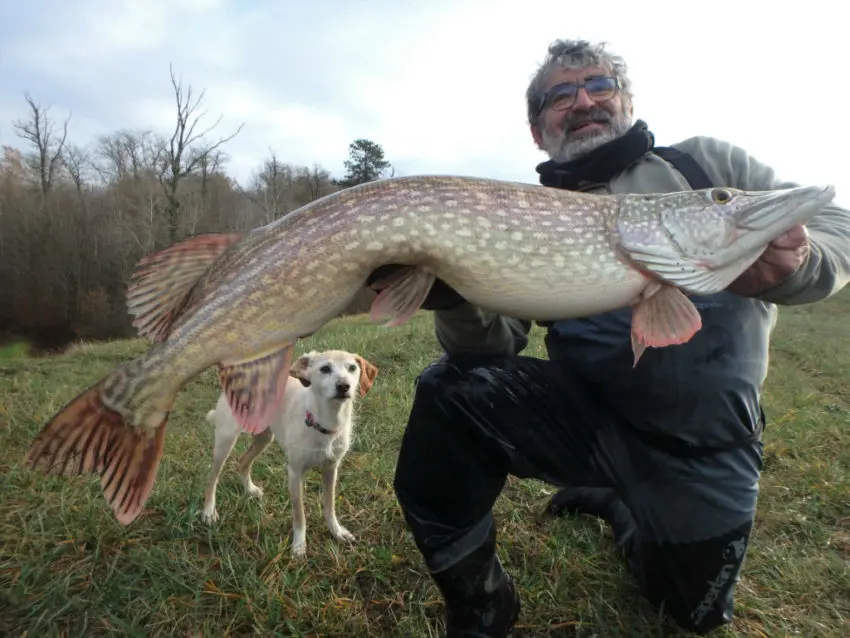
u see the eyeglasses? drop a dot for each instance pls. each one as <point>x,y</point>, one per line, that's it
<point>563,96</point>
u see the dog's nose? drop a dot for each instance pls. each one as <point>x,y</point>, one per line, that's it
<point>342,388</point>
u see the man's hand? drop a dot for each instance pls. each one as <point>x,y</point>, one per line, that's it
<point>782,258</point>
<point>441,296</point>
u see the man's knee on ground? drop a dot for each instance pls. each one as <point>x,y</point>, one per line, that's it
<point>695,588</point>
<point>713,612</point>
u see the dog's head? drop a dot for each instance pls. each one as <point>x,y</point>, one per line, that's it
<point>334,373</point>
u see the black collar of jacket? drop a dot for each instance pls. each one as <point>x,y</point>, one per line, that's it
<point>601,164</point>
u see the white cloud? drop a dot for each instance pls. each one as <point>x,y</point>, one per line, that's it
<point>440,85</point>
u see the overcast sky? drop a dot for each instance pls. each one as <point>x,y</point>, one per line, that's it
<point>439,84</point>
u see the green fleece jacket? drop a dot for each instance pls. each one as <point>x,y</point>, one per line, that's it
<point>705,391</point>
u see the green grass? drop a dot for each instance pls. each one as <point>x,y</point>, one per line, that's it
<point>67,568</point>
<point>16,350</point>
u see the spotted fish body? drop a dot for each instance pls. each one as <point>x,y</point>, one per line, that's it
<point>527,251</point>
<point>242,301</point>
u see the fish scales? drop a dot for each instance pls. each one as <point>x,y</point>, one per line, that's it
<point>242,301</point>
<point>471,236</point>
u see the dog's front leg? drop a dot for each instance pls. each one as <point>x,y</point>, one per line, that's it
<point>259,443</point>
<point>299,520</point>
<point>329,479</point>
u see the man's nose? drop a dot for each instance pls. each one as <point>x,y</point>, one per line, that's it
<point>583,101</point>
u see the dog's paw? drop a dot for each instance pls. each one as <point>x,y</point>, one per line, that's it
<point>342,534</point>
<point>299,543</point>
<point>255,491</point>
<point>209,515</point>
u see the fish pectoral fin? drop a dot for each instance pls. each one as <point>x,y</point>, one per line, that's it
<point>161,282</point>
<point>88,437</point>
<point>664,316</point>
<point>698,276</point>
<point>254,388</point>
<point>404,292</point>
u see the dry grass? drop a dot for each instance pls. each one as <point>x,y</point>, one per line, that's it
<point>67,568</point>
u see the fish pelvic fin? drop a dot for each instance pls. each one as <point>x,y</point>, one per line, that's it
<point>254,388</point>
<point>403,293</point>
<point>162,281</point>
<point>87,437</point>
<point>663,316</point>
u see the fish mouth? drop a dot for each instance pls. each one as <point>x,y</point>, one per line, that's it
<point>803,201</point>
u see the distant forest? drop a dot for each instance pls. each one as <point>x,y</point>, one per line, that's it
<point>74,220</point>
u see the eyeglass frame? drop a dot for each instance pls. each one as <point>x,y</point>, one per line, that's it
<point>541,103</point>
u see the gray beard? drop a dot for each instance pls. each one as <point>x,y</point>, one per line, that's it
<point>562,149</point>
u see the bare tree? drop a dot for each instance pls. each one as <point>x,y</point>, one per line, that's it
<point>209,166</point>
<point>134,155</point>
<point>65,258</point>
<point>278,188</point>
<point>269,185</point>
<point>77,163</point>
<point>38,130</point>
<point>180,157</point>
<point>319,182</point>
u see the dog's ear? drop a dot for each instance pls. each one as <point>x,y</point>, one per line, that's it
<point>298,369</point>
<point>368,372</point>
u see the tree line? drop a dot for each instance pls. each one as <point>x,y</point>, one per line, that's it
<point>75,219</point>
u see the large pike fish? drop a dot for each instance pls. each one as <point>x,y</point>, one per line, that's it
<point>241,301</point>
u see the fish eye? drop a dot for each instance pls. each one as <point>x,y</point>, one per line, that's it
<point>721,196</point>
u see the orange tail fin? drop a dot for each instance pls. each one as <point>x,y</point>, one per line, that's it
<point>87,437</point>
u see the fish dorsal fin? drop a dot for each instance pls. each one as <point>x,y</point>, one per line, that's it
<point>161,281</point>
<point>254,387</point>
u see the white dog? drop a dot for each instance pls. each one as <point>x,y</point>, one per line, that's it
<point>313,427</point>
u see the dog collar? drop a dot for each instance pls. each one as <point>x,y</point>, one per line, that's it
<point>310,422</point>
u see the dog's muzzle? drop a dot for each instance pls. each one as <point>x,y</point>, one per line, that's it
<point>342,390</point>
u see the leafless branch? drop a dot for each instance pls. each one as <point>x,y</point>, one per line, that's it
<point>38,130</point>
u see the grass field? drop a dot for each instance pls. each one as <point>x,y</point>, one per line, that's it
<point>68,569</point>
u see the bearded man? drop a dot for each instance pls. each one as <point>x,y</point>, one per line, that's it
<point>669,453</point>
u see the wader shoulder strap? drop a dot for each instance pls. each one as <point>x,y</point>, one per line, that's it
<point>686,165</point>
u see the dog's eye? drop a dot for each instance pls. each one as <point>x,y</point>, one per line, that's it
<point>325,369</point>
<point>352,368</point>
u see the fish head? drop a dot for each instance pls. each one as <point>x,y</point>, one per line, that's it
<point>703,240</point>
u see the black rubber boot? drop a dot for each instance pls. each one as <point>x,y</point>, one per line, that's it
<point>595,501</point>
<point>481,597</point>
<point>603,503</point>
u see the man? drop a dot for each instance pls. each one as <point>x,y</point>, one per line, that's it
<point>669,452</point>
